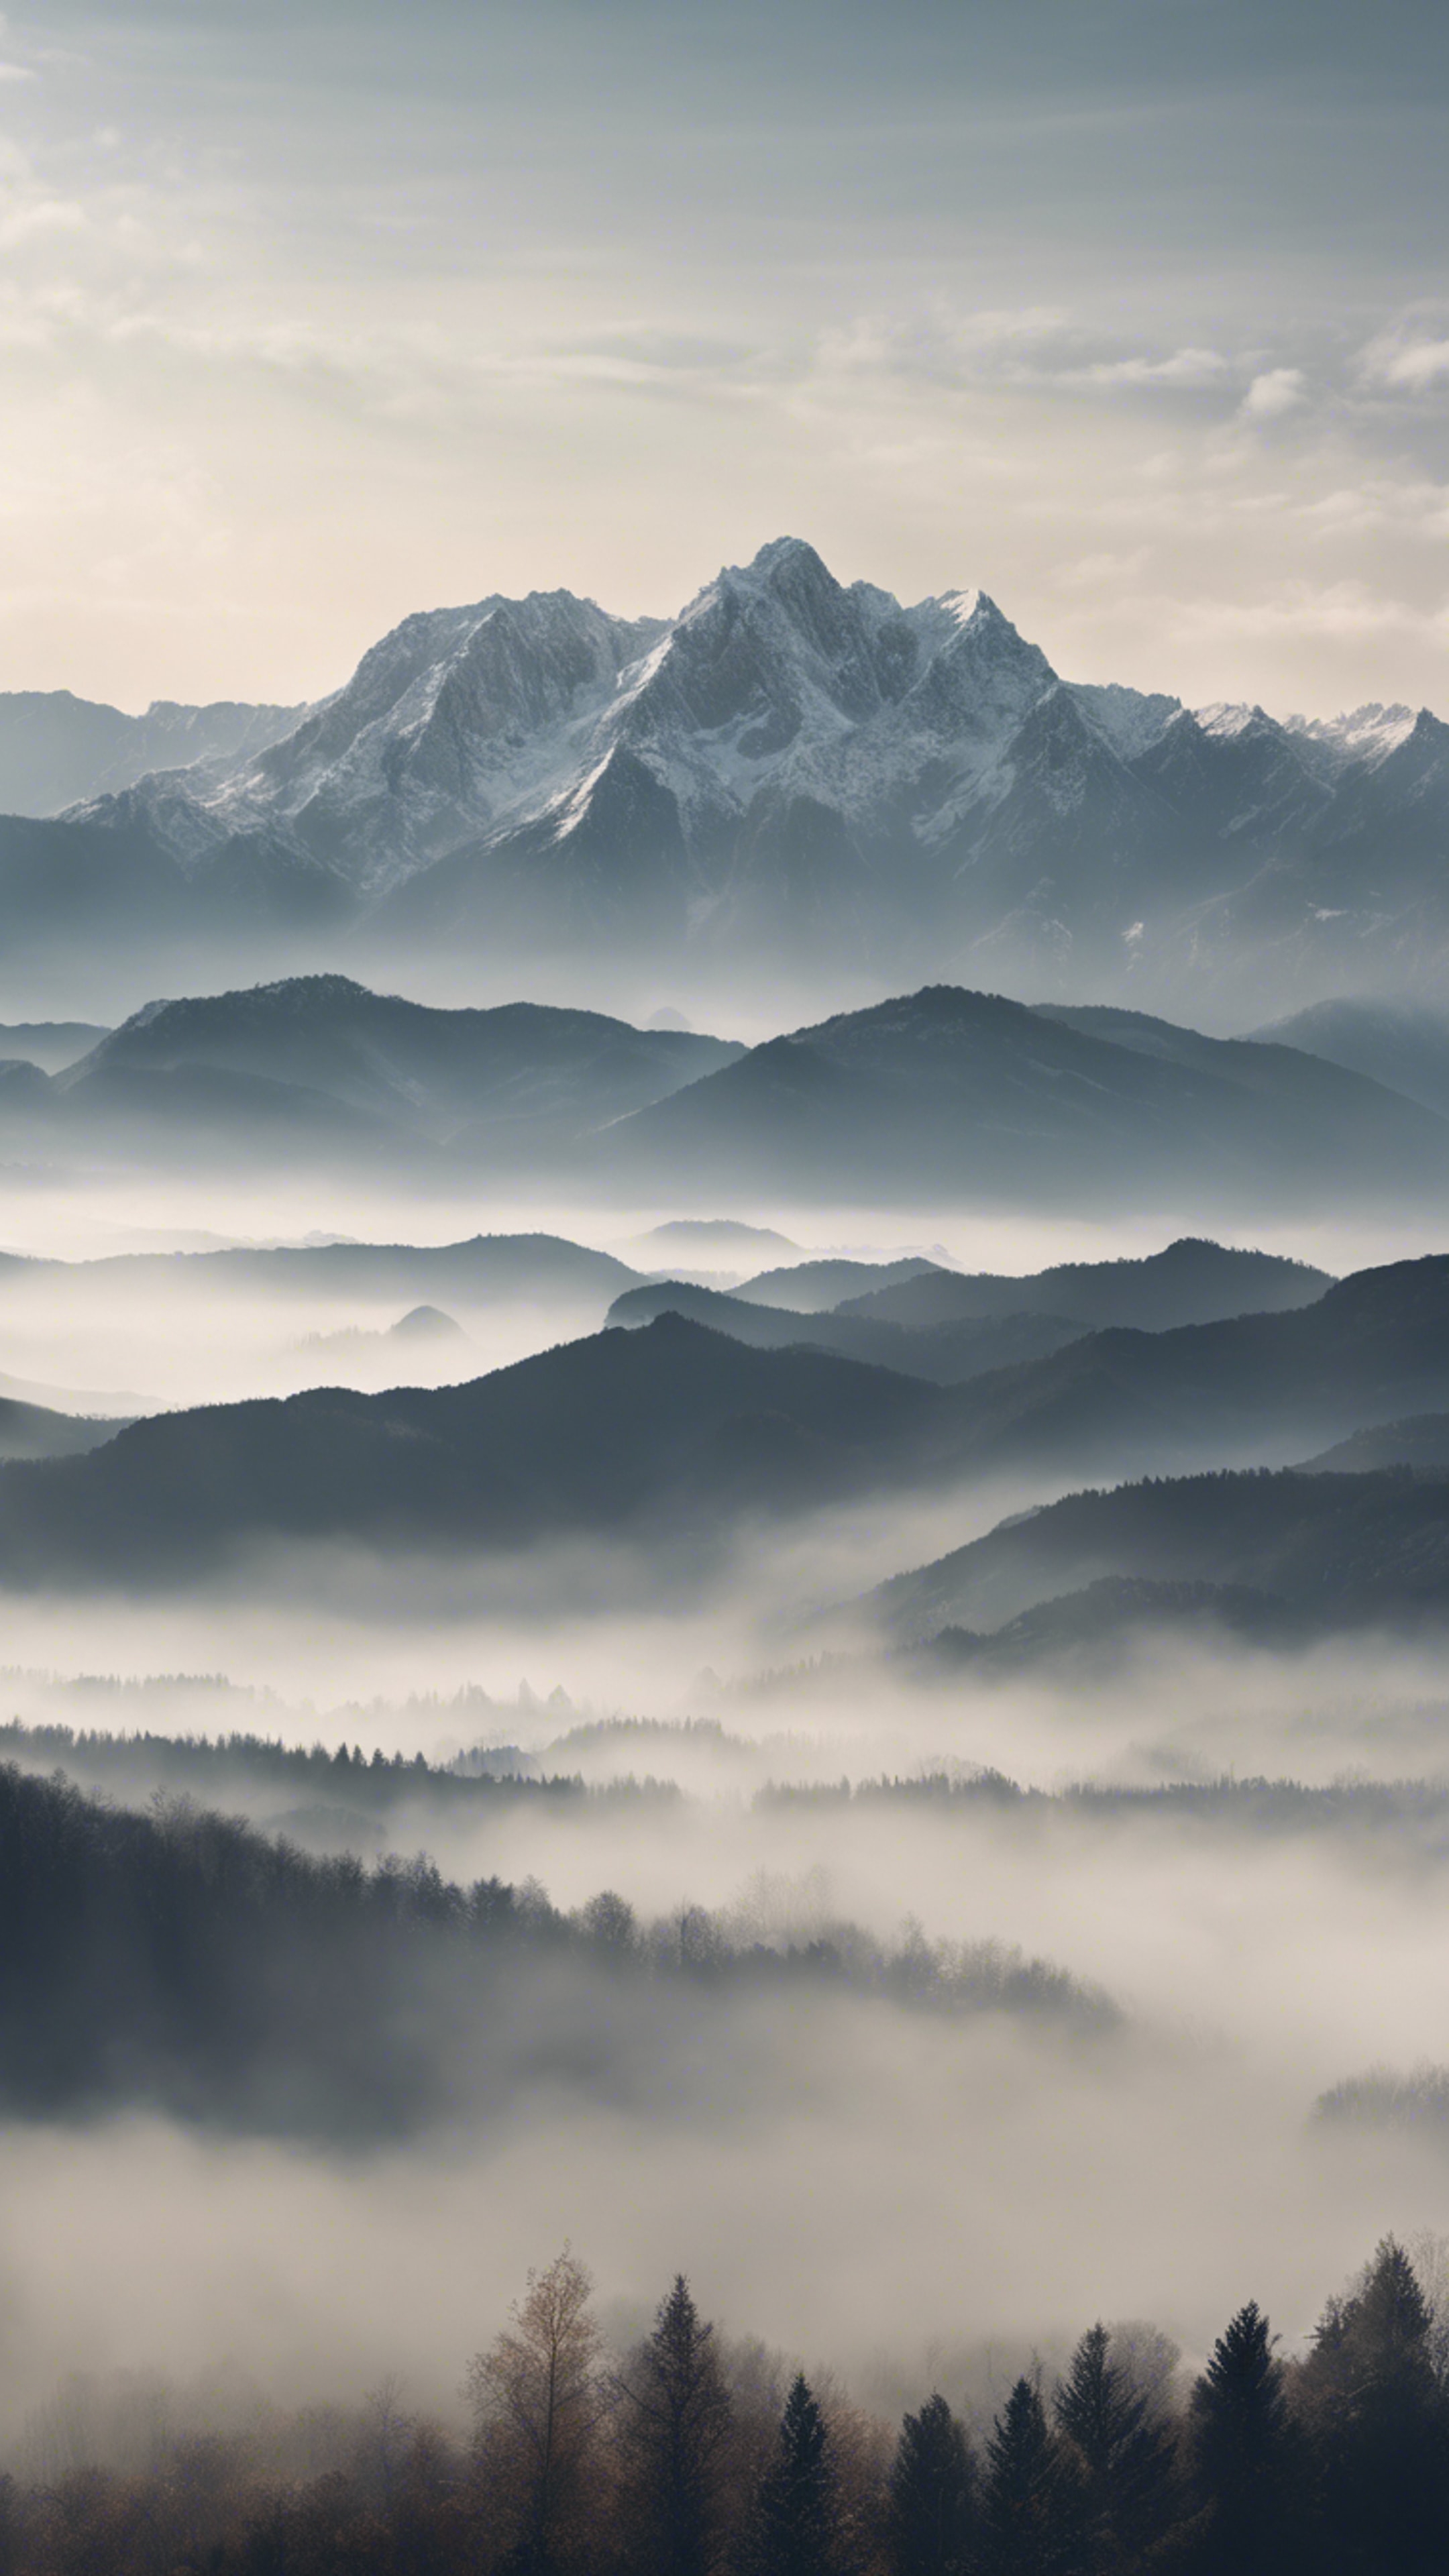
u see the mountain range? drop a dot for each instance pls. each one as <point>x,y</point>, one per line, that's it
<point>941,1095</point>
<point>320,1059</point>
<point>946,1326</point>
<point>1276,1556</point>
<point>58,750</point>
<point>675,1435</point>
<point>792,767</point>
<point>951,1095</point>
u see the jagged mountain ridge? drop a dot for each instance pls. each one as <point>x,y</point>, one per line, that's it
<point>790,758</point>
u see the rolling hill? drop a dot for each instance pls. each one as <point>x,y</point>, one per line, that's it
<point>676,1433</point>
<point>970,1097</point>
<point>1189,1282</point>
<point>1331,1550</point>
<point>323,1056</point>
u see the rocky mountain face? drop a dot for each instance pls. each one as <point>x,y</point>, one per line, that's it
<point>793,765</point>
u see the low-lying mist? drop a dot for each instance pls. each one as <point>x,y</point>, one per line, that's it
<point>1231,1860</point>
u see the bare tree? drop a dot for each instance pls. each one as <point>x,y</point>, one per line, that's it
<point>539,2397</point>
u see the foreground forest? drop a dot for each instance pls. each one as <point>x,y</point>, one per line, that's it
<point>690,2455</point>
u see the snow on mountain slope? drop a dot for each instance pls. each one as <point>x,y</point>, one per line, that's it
<point>791,759</point>
<point>1368,733</point>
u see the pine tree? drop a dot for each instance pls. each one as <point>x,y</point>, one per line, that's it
<point>1244,2454</point>
<point>1029,2518</point>
<point>674,2424</point>
<point>1126,2459</point>
<point>931,2494</point>
<point>1378,2414</point>
<point>794,2522</point>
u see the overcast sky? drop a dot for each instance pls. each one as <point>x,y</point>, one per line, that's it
<point>1134,312</point>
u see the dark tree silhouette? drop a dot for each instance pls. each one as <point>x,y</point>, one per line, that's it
<point>674,2423</point>
<point>929,2507</point>
<point>1030,2521</point>
<point>1244,2453</point>
<point>1380,2423</point>
<point>794,2522</point>
<point>1126,2458</point>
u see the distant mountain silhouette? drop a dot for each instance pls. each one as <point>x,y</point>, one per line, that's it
<point>671,1433</point>
<point>1190,1282</point>
<point>1421,1442</point>
<point>676,1432</point>
<point>423,1342</point>
<point>486,1269</point>
<point>56,749</point>
<point>34,1431</point>
<point>946,1353</point>
<point>1102,1620</point>
<point>323,1053</point>
<point>818,1287</point>
<point>426,1324</point>
<point>969,1097</point>
<point>1405,1049</point>
<point>1256,1388</point>
<point>1323,1550</point>
<point>51,1044</point>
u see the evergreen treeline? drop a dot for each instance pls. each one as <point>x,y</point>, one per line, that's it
<point>690,2457</point>
<point>181,1959</point>
<point>486,1780</point>
<point>241,1765</point>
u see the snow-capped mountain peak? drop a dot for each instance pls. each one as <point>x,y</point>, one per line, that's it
<point>788,747</point>
<point>1368,733</point>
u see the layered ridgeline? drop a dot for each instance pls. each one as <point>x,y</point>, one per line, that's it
<point>675,1437</point>
<point>789,765</point>
<point>948,1325</point>
<point>941,1094</point>
<point>320,1062</point>
<point>1277,1558</point>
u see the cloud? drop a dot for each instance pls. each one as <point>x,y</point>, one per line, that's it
<point>1278,390</point>
<point>1335,612</point>
<point>1091,572</point>
<point>1407,359</point>
<point>1190,369</point>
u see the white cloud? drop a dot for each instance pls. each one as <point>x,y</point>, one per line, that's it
<point>1337,612</point>
<point>1190,369</point>
<point>1278,390</point>
<point>1407,359</point>
<point>1092,572</point>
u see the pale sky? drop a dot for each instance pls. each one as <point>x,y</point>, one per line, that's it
<point>1133,312</point>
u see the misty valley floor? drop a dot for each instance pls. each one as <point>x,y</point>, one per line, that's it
<point>892,1759</point>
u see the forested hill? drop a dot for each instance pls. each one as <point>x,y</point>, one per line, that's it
<point>1333,1549</point>
<point>180,1960</point>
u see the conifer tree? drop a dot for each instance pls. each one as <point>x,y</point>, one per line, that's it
<point>1244,2453</point>
<point>1029,2524</point>
<point>794,2522</point>
<point>674,2423</point>
<point>1126,2459</point>
<point>931,2494</point>
<point>1376,2408</point>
